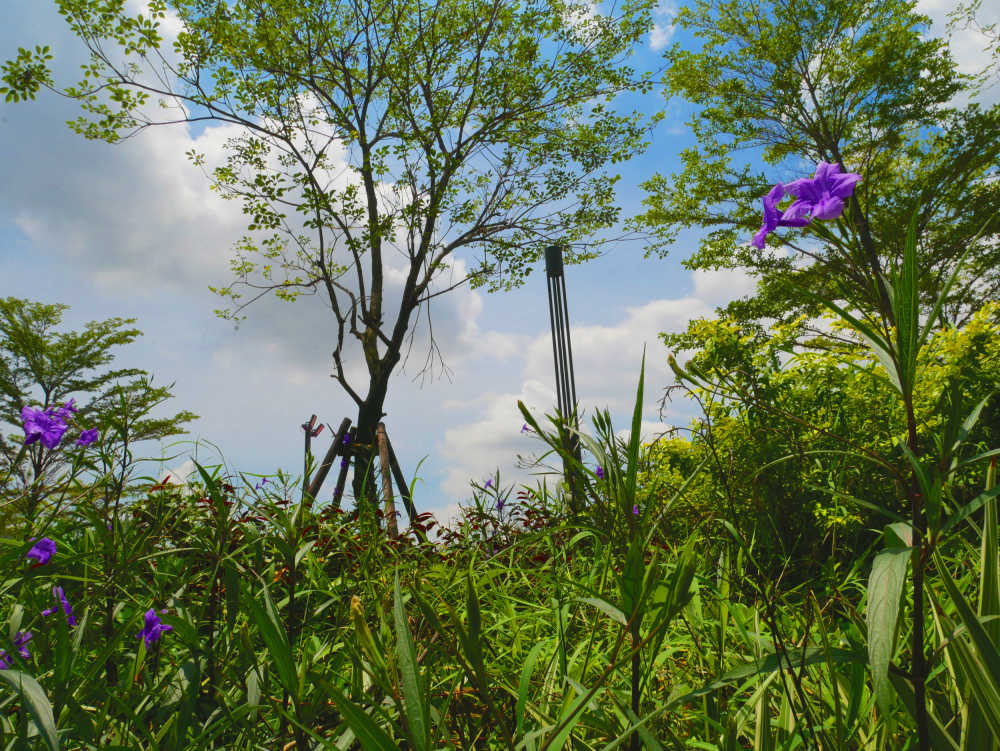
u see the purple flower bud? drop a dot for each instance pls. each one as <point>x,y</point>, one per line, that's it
<point>344,463</point>
<point>42,551</point>
<point>22,638</point>
<point>87,437</point>
<point>57,592</point>
<point>63,412</point>
<point>489,483</point>
<point>600,472</point>
<point>525,428</point>
<point>635,509</point>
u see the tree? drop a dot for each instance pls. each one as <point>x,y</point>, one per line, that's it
<point>847,82</point>
<point>478,114</point>
<point>60,365</point>
<point>966,14</point>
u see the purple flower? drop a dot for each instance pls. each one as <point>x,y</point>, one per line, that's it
<point>153,629</point>
<point>820,197</point>
<point>489,483</point>
<point>347,438</point>
<point>260,484</point>
<point>525,428</point>
<point>344,462</point>
<point>772,219</point>
<point>500,504</point>
<point>22,638</point>
<point>87,437</point>
<point>63,412</point>
<point>46,426</point>
<point>635,509</point>
<point>58,593</point>
<point>42,551</point>
<point>600,472</point>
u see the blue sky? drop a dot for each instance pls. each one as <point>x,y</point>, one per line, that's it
<point>133,230</point>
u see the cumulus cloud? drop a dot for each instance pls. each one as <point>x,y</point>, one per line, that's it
<point>663,26</point>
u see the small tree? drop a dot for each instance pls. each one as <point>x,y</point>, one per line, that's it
<point>59,365</point>
<point>489,122</point>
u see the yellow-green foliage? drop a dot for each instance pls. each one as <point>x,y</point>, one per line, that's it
<point>785,425</point>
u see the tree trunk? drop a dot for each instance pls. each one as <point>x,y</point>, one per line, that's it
<point>369,415</point>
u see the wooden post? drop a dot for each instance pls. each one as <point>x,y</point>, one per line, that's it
<point>391,529</point>
<point>331,454</point>
<point>404,490</point>
<point>310,434</point>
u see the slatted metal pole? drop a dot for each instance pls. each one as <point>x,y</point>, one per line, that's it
<point>562,351</point>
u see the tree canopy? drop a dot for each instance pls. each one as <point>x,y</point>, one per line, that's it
<point>849,82</point>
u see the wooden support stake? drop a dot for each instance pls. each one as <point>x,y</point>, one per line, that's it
<point>310,434</point>
<point>404,489</point>
<point>391,528</point>
<point>331,454</point>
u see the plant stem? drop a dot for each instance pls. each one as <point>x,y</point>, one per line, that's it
<point>919,665</point>
<point>634,741</point>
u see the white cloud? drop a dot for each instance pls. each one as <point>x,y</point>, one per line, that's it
<point>716,286</point>
<point>662,32</point>
<point>580,17</point>
<point>972,50</point>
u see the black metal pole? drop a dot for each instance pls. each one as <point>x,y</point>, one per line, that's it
<point>562,354</point>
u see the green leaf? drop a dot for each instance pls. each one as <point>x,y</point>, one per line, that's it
<point>607,608</point>
<point>33,699</point>
<point>472,641</point>
<point>769,664</point>
<point>370,735</point>
<point>414,697</point>
<point>267,622</point>
<point>885,588</point>
<point>970,508</point>
<point>986,650</point>
<point>630,581</point>
<point>524,685</point>
<point>633,446</point>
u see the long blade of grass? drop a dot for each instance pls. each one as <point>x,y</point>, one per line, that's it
<point>370,735</point>
<point>985,667</point>
<point>414,699</point>
<point>267,622</point>
<point>524,685</point>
